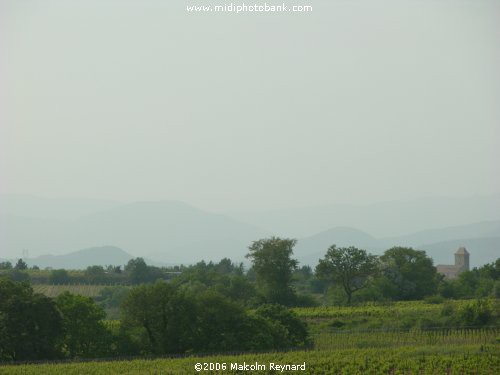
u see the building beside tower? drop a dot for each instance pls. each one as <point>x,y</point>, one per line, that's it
<point>461,264</point>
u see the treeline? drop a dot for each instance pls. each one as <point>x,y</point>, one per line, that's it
<point>136,271</point>
<point>217,307</point>
<point>400,274</point>
<point>343,276</point>
<point>182,316</point>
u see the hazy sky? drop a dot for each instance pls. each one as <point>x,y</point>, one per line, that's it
<point>357,102</point>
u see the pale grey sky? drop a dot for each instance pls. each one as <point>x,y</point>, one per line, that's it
<point>357,102</point>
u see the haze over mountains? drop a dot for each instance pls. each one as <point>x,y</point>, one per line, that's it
<point>383,219</point>
<point>102,256</point>
<point>174,232</point>
<point>482,240</point>
<point>168,231</point>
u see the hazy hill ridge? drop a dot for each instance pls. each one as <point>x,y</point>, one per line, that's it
<point>174,232</point>
<point>169,231</point>
<point>102,256</point>
<point>482,239</point>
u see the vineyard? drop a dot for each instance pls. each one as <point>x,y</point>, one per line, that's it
<point>386,339</point>
<point>465,359</point>
<point>52,291</point>
<point>372,310</point>
<point>335,349</point>
<point>444,351</point>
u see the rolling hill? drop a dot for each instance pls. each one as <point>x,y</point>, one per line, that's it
<point>167,231</point>
<point>103,256</point>
<point>173,232</point>
<point>385,219</point>
<point>481,239</point>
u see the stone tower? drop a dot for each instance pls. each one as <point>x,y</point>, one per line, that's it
<point>462,259</point>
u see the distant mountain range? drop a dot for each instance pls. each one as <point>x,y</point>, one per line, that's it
<point>171,232</point>
<point>99,256</point>
<point>174,232</point>
<point>381,220</point>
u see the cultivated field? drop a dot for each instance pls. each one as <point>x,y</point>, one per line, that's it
<point>460,351</point>
<point>459,359</point>
<point>377,346</point>
<point>81,289</point>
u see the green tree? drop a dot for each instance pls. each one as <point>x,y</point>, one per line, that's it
<point>171,319</point>
<point>164,316</point>
<point>5,265</point>
<point>111,297</point>
<point>408,274</point>
<point>95,274</point>
<point>85,333</point>
<point>18,275</point>
<point>286,328</point>
<point>348,267</point>
<point>476,283</point>
<point>59,277</point>
<point>21,265</point>
<point>139,272</point>
<point>30,324</point>
<point>220,323</point>
<point>273,266</point>
<point>478,312</point>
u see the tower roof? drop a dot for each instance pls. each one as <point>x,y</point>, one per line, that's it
<point>462,251</point>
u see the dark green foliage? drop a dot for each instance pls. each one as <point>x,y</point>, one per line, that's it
<point>408,274</point>
<point>273,266</point>
<point>59,277</point>
<point>21,265</point>
<point>139,272</point>
<point>348,267</point>
<point>286,329</point>
<point>479,312</point>
<point>95,274</point>
<point>476,283</point>
<point>474,313</point>
<point>166,318</point>
<point>30,324</point>
<point>164,314</point>
<point>221,324</point>
<point>227,280</point>
<point>306,300</point>
<point>112,296</point>
<point>17,275</point>
<point>85,333</point>
<point>5,265</point>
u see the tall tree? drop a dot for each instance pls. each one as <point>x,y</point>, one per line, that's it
<point>273,266</point>
<point>347,266</point>
<point>139,272</point>
<point>408,273</point>
<point>165,316</point>
<point>30,324</point>
<point>21,264</point>
<point>59,276</point>
<point>85,332</point>
<point>5,265</point>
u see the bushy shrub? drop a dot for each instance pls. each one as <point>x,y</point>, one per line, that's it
<point>475,313</point>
